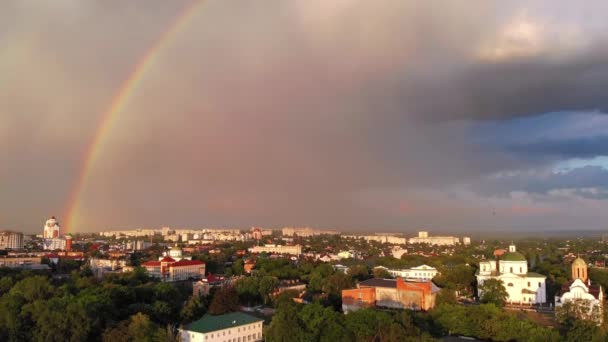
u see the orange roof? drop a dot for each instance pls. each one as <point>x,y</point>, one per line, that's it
<point>151,264</point>
<point>187,263</point>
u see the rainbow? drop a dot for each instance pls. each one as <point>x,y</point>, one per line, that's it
<point>119,103</point>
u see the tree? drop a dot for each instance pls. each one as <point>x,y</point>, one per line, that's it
<point>493,291</point>
<point>193,309</point>
<point>224,300</point>
<point>286,326</point>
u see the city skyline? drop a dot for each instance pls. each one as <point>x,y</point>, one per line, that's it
<point>341,115</point>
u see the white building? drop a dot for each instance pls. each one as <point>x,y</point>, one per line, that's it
<point>51,228</point>
<point>398,252</point>
<point>53,244</point>
<point>175,254</point>
<point>423,237</point>
<point>11,240</point>
<point>277,249</point>
<point>233,327</point>
<point>587,298</point>
<point>466,240</point>
<point>170,270</point>
<point>511,268</point>
<point>422,272</point>
<point>306,232</point>
<point>382,238</point>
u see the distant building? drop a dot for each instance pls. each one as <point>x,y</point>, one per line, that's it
<point>466,240</point>
<point>100,267</point>
<point>394,239</point>
<point>11,240</point>
<point>51,236</point>
<point>51,229</point>
<point>398,252</point>
<point>588,297</point>
<point>511,268</point>
<point>234,326</point>
<point>249,265</point>
<point>306,232</point>
<point>175,254</point>
<point>423,237</point>
<point>390,293</point>
<point>170,270</point>
<point>25,262</point>
<point>423,272</point>
<point>277,249</point>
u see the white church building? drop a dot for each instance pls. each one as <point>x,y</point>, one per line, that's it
<point>511,268</point>
<point>588,298</point>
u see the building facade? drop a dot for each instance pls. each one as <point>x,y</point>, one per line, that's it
<point>423,237</point>
<point>230,327</point>
<point>11,240</point>
<point>277,249</point>
<point>511,268</point>
<point>587,298</point>
<point>422,272</point>
<point>170,270</point>
<point>390,293</point>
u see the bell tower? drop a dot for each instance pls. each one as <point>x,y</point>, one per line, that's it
<point>579,270</point>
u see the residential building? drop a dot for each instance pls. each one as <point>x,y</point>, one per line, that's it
<point>511,268</point>
<point>26,262</point>
<point>233,327</point>
<point>169,269</point>
<point>423,237</point>
<point>422,272</point>
<point>587,297</point>
<point>390,293</point>
<point>306,232</point>
<point>466,240</point>
<point>398,252</point>
<point>11,240</point>
<point>394,239</point>
<point>277,249</point>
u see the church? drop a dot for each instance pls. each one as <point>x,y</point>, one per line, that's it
<point>588,297</point>
<point>523,287</point>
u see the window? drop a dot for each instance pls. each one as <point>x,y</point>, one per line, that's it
<point>539,284</point>
<point>510,284</point>
<point>511,269</point>
<point>360,295</point>
<point>528,284</point>
<point>521,270</point>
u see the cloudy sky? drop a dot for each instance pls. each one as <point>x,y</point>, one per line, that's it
<point>393,114</point>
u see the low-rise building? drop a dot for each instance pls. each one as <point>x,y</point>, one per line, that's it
<point>233,327</point>
<point>390,293</point>
<point>25,262</point>
<point>170,270</point>
<point>422,272</point>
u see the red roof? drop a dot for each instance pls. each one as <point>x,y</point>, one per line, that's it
<point>167,259</point>
<point>151,264</point>
<point>187,263</point>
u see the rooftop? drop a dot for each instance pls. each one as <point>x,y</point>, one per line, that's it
<point>211,323</point>
<point>513,256</point>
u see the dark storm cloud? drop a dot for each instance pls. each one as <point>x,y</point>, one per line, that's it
<point>584,147</point>
<point>587,182</point>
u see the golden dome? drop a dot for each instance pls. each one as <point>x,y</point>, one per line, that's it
<point>579,262</point>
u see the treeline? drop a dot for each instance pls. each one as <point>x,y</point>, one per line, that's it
<point>125,307</point>
<point>314,322</point>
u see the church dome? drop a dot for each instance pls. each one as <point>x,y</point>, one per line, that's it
<point>513,256</point>
<point>579,262</point>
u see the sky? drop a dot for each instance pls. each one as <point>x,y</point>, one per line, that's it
<point>357,115</point>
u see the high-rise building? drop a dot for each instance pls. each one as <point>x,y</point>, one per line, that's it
<point>51,229</point>
<point>11,240</point>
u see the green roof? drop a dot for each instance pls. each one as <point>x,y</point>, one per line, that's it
<point>535,275</point>
<point>211,323</point>
<point>513,256</point>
